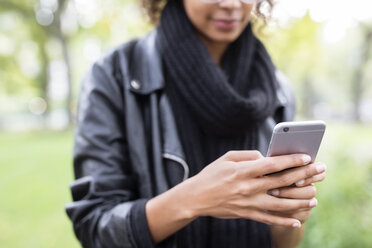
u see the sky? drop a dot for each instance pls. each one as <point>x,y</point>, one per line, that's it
<point>337,15</point>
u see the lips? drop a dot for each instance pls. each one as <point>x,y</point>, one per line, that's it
<point>226,24</point>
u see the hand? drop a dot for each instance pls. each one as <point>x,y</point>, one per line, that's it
<point>233,186</point>
<point>305,189</point>
<point>236,185</point>
<point>316,178</point>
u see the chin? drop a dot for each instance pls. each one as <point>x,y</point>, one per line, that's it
<point>225,37</point>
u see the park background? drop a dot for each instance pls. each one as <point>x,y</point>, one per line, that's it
<point>323,47</point>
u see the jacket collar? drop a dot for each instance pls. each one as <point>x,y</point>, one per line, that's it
<point>146,70</point>
<point>146,76</point>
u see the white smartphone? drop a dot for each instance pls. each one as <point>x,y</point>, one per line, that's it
<point>297,137</point>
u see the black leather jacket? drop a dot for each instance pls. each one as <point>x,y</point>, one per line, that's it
<point>127,149</point>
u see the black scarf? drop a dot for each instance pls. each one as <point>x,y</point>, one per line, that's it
<point>220,103</point>
<point>216,109</point>
<point>226,100</point>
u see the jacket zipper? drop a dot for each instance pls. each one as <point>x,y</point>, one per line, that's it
<point>181,162</point>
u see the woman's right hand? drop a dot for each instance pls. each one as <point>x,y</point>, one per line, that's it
<point>233,186</point>
<point>236,184</point>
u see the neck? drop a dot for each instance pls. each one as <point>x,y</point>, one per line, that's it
<point>216,49</point>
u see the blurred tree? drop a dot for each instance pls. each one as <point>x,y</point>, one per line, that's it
<point>78,32</point>
<point>36,34</point>
<point>42,25</point>
<point>297,51</point>
<point>364,56</point>
<point>63,39</point>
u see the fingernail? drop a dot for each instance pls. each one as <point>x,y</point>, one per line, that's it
<point>318,177</point>
<point>296,224</point>
<point>313,203</point>
<point>274,192</point>
<point>320,168</point>
<point>306,158</point>
<point>299,183</point>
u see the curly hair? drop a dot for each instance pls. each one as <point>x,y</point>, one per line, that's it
<point>153,9</point>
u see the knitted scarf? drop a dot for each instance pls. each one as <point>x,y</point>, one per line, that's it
<point>221,103</point>
<point>216,108</point>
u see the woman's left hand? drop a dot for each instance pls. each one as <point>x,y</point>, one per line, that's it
<point>304,189</point>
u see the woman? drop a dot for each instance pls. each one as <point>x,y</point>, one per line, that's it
<point>168,128</point>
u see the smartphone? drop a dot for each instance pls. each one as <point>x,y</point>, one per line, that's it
<point>297,137</point>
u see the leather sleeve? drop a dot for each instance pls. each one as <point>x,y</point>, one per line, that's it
<point>106,210</point>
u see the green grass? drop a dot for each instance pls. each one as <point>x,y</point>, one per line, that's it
<point>35,171</point>
<point>36,168</point>
<point>343,217</point>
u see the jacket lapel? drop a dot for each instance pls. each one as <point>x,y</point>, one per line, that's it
<point>147,79</point>
<point>146,66</point>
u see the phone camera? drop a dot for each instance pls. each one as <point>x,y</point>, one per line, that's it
<point>286,129</point>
